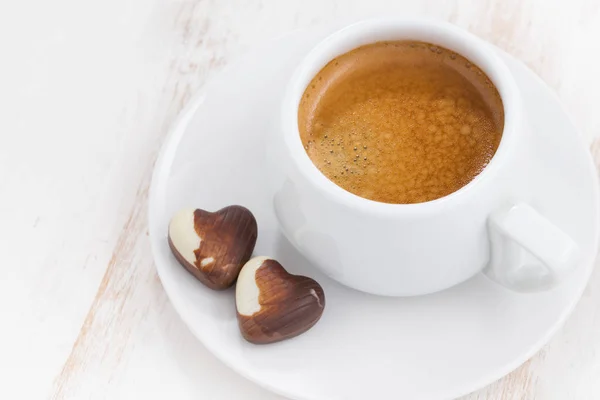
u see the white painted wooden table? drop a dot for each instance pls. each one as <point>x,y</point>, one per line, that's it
<point>88,91</point>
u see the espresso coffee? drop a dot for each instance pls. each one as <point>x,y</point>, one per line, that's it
<point>401,122</point>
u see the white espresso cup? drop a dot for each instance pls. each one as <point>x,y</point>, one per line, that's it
<point>414,249</point>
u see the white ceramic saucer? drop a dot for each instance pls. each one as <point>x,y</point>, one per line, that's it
<point>365,347</point>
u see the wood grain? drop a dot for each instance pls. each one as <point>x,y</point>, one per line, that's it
<point>89,93</point>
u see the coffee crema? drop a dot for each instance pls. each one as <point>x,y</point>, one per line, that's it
<point>400,122</point>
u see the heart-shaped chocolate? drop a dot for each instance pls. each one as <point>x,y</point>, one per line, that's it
<point>213,246</point>
<point>274,305</point>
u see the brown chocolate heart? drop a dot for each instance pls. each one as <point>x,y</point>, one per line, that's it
<point>274,305</point>
<point>213,246</point>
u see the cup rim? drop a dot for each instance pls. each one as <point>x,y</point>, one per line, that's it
<point>454,38</point>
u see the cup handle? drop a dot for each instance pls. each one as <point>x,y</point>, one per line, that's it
<point>528,252</point>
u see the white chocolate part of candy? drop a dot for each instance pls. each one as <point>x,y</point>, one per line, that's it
<point>246,289</point>
<point>183,235</point>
